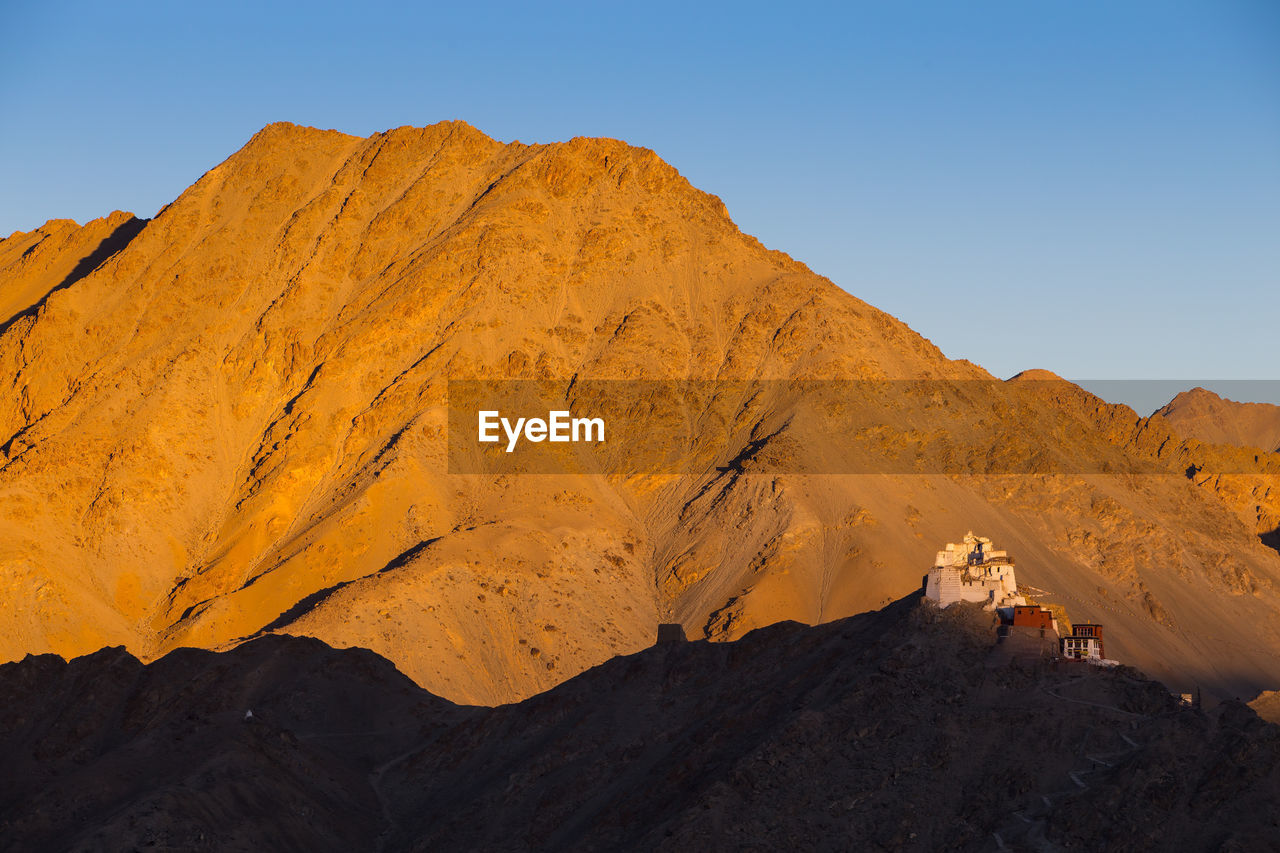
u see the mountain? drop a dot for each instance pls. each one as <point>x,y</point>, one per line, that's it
<point>233,419</point>
<point>1204,415</point>
<point>899,729</point>
<point>56,256</point>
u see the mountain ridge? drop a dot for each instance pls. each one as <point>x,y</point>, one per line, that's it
<point>880,729</point>
<point>237,423</point>
<point>1204,415</point>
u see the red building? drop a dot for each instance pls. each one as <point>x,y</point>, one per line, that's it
<point>1032,616</point>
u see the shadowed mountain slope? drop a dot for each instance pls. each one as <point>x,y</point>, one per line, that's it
<point>897,729</point>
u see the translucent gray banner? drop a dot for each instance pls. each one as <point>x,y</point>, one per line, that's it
<point>630,428</point>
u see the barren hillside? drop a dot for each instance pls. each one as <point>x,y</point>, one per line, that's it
<point>233,421</point>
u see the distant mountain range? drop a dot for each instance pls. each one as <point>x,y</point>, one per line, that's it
<point>1202,414</point>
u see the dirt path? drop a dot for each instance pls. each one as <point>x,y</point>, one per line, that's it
<point>1029,833</point>
<point>390,824</point>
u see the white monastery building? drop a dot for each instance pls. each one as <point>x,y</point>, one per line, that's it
<point>973,571</point>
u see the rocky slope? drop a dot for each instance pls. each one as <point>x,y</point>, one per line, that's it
<point>895,730</point>
<point>1267,705</point>
<point>1204,415</point>
<point>55,256</point>
<point>234,421</point>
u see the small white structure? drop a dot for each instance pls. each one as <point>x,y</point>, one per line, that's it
<point>1082,648</point>
<point>973,571</point>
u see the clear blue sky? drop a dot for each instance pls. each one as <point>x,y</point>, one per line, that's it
<point>1097,181</point>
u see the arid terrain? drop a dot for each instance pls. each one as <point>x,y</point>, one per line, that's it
<point>1202,414</point>
<point>901,729</point>
<point>230,420</point>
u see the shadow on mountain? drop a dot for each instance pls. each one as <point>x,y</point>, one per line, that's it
<point>301,608</point>
<point>894,729</point>
<point>1271,539</point>
<point>112,243</point>
<point>310,602</point>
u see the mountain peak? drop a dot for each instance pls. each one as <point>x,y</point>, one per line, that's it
<point>287,133</point>
<point>236,423</point>
<point>1212,418</point>
<point>1036,374</point>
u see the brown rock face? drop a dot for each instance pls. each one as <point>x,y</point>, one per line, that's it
<point>236,423</point>
<point>1203,415</point>
<point>55,256</point>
